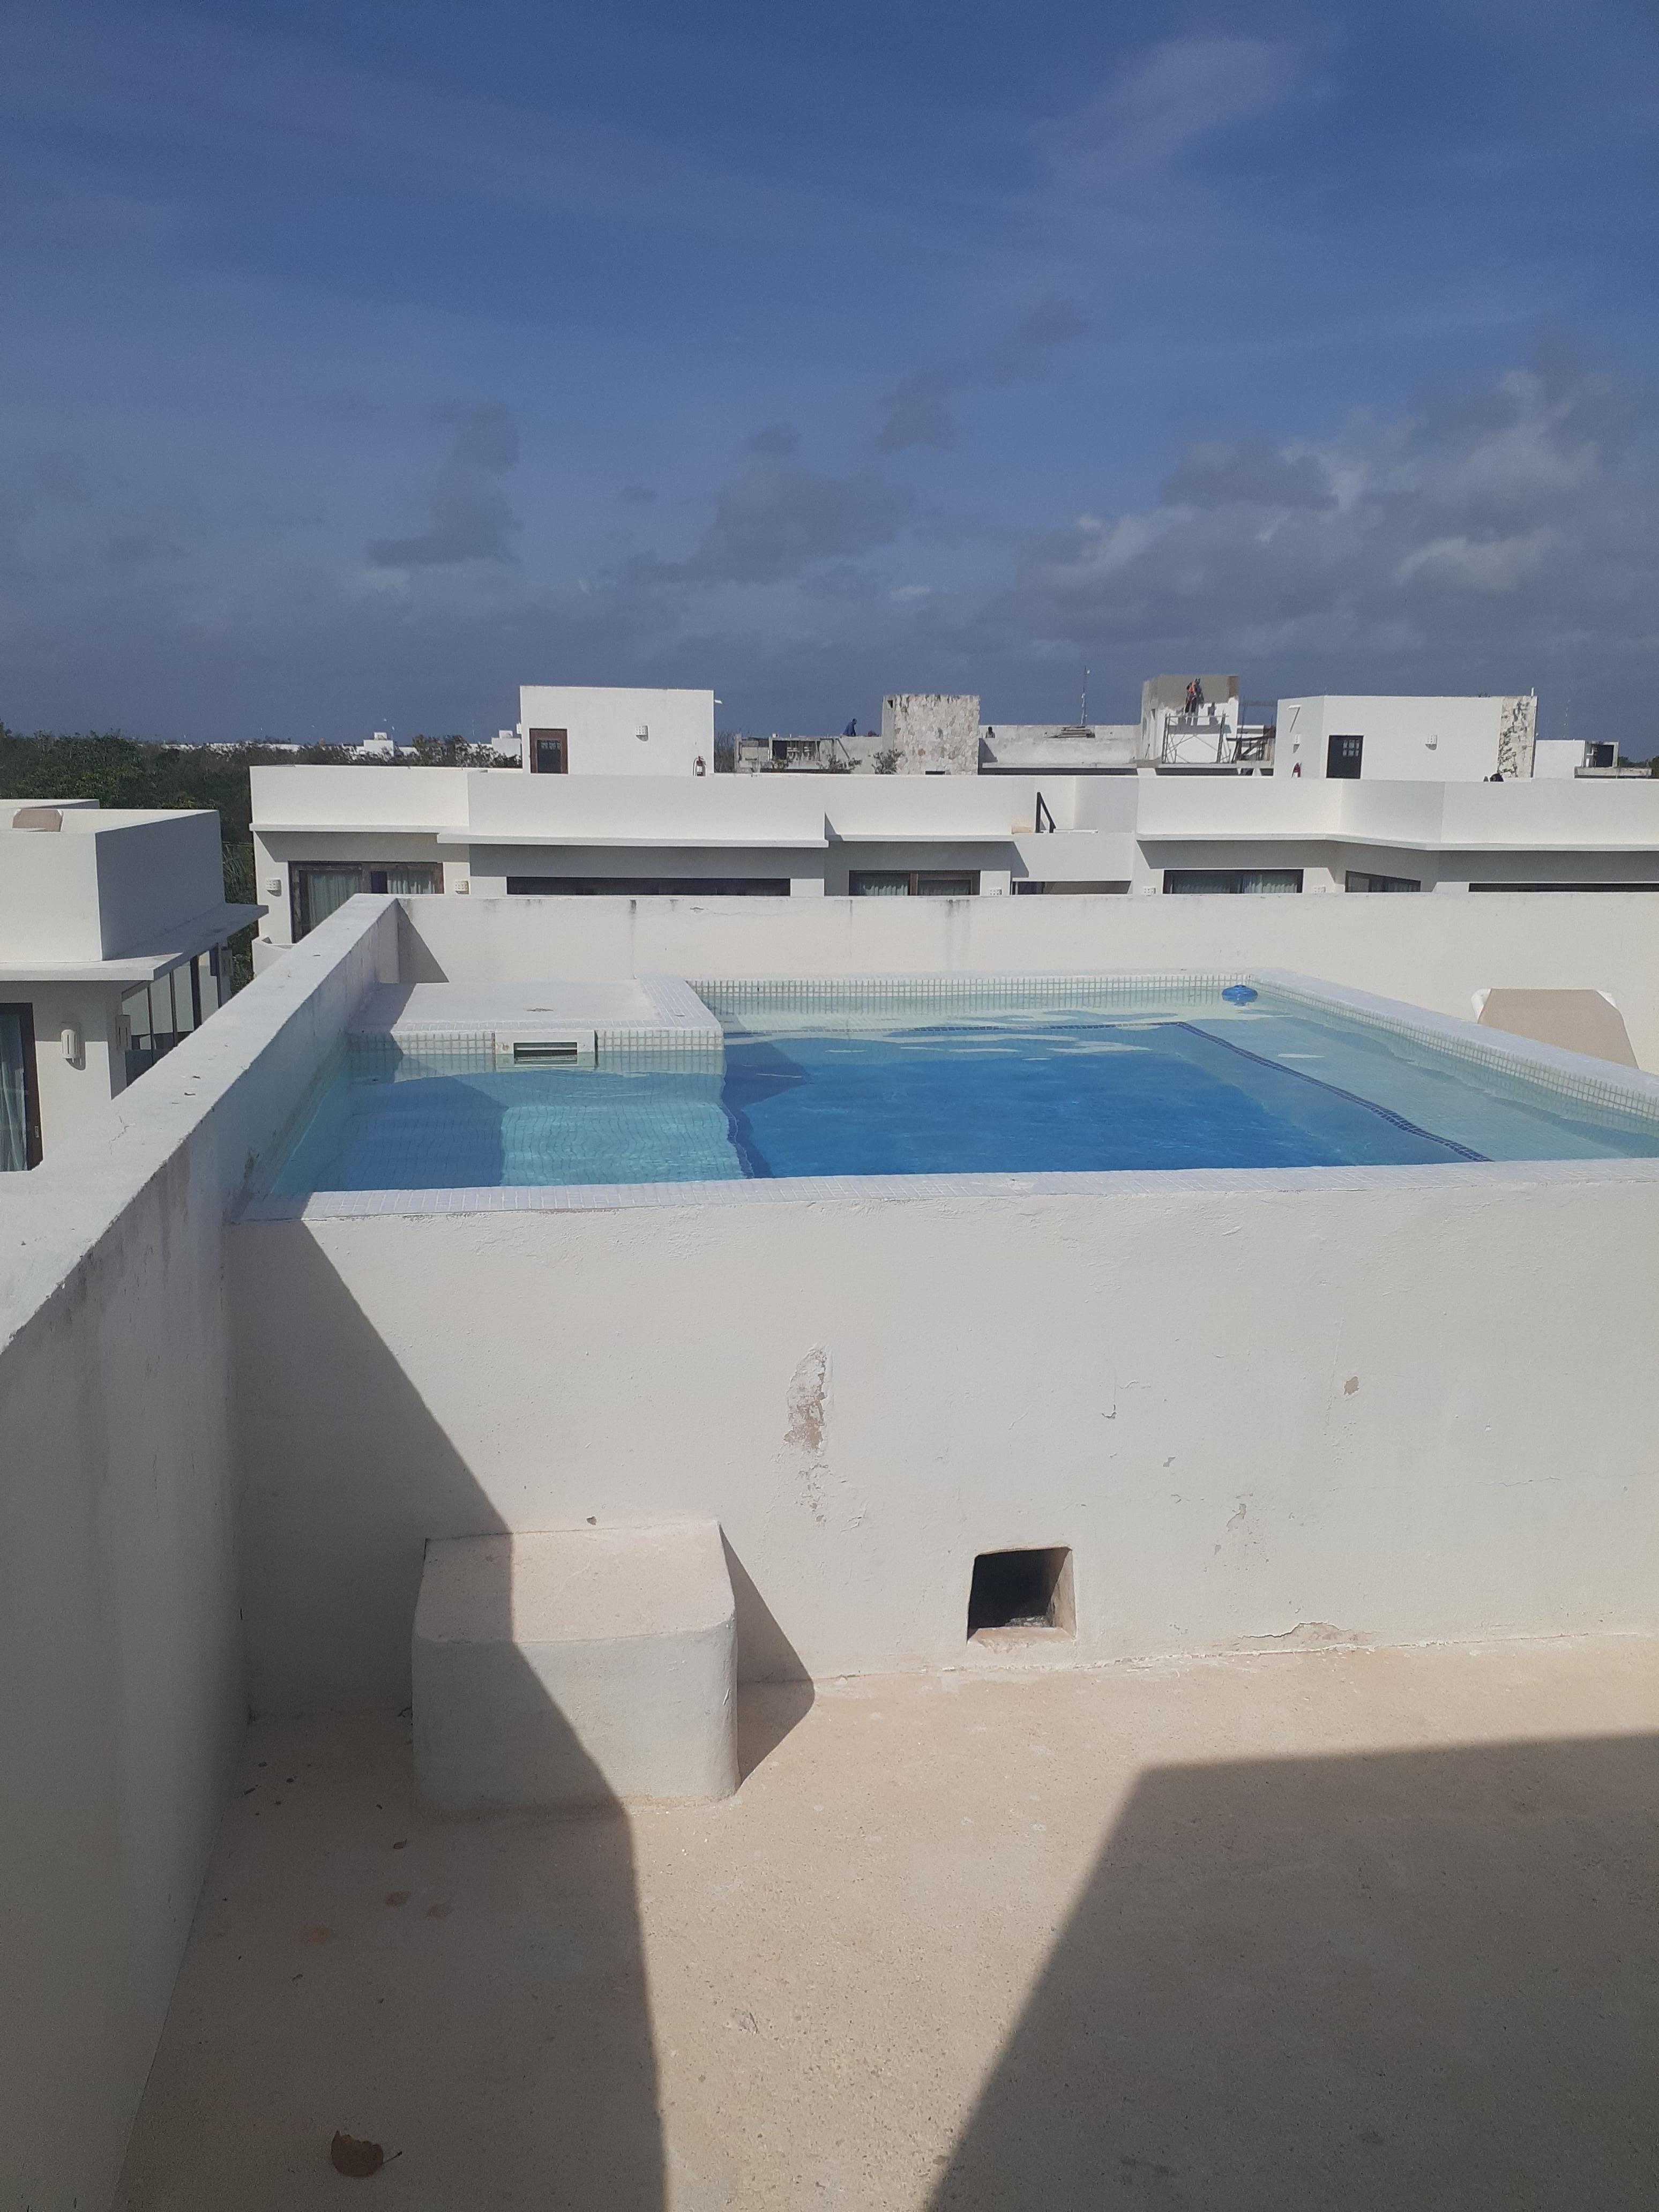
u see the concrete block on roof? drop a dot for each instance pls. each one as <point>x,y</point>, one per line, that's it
<point>576,1668</point>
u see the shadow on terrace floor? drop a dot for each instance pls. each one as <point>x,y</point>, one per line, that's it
<point>469,1993</point>
<point>1395,1981</point>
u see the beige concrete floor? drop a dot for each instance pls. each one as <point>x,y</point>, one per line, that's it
<point>1322,1931</point>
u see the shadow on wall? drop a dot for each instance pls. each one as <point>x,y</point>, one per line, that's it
<point>1395,1981</point>
<point>333,1546</point>
<point>469,1993</point>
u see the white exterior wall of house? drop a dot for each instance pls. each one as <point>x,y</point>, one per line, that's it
<point>88,912</point>
<point>1408,739</point>
<point>603,724</point>
<point>484,827</point>
<point>1558,759</point>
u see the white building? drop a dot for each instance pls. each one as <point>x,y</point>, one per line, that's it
<point>113,933</point>
<point>323,834</point>
<point>1402,739</point>
<point>573,729</point>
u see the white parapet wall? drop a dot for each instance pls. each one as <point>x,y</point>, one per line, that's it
<point>122,1688</point>
<point>1378,1406</point>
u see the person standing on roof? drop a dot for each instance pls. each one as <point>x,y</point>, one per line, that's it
<point>1191,695</point>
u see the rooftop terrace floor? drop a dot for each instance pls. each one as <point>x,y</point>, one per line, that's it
<point>1359,1930</point>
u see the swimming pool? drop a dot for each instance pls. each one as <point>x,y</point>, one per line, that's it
<point>818,1081</point>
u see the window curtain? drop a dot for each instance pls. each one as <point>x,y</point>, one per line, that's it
<point>324,891</point>
<point>870,883</point>
<point>418,876</point>
<point>1270,879</point>
<point>14,1092</point>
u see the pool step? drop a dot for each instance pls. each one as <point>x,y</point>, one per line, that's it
<point>574,1668</point>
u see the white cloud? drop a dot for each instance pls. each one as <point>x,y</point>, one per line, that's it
<point>1467,564</point>
<point>1162,103</point>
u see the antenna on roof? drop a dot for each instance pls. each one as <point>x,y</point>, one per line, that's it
<point>1083,709</point>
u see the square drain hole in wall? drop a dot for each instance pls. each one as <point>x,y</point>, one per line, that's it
<point>1017,1596</point>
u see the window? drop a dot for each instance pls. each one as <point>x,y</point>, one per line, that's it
<point>318,888</point>
<point>20,1092</point>
<point>1565,887</point>
<point>1023,886</point>
<point>647,886</point>
<point>913,883</point>
<point>1232,879</point>
<point>550,752</point>
<point>162,1014</point>
<point>1359,881</point>
<point>1342,756</point>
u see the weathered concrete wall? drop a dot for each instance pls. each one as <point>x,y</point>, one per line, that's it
<point>122,1694</point>
<point>1258,1406</point>
<point>1517,733</point>
<point>932,731</point>
<point>1434,951</point>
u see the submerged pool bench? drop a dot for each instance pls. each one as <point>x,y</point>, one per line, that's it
<point>576,1668</point>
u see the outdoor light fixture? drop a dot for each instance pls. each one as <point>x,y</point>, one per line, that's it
<point>643,733</point>
<point>74,1051</point>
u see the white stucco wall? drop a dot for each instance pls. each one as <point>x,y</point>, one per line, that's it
<point>1256,1405</point>
<point>122,1692</point>
<point>106,884</point>
<point>70,1091</point>
<point>603,722</point>
<point>1408,739</point>
<point>1558,759</point>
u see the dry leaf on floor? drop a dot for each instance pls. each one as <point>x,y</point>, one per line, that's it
<point>355,2158</point>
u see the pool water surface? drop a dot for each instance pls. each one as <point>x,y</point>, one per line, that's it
<point>1047,1090</point>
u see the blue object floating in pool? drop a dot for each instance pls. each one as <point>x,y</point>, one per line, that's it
<point>1238,995</point>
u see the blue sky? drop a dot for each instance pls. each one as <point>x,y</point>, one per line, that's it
<point>363,361</point>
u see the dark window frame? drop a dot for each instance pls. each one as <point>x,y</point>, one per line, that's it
<point>558,743</point>
<point>24,1009</point>
<point>919,882</point>
<point>1363,879</point>
<point>1338,768</point>
<point>1226,880</point>
<point>301,871</point>
<point>647,886</point>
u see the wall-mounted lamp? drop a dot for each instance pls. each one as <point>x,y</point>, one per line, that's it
<point>75,1050</point>
<point>274,888</point>
<point>643,733</point>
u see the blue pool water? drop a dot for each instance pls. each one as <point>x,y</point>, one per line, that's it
<point>1050,1090</point>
